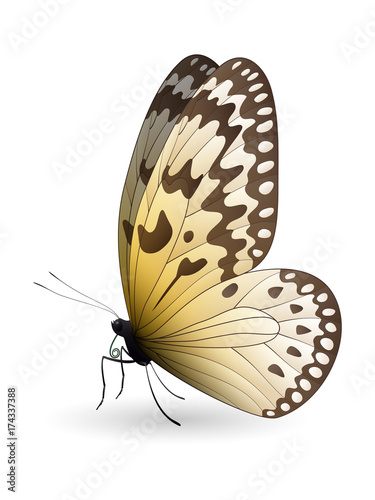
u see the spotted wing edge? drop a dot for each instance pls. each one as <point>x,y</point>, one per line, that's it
<point>315,334</point>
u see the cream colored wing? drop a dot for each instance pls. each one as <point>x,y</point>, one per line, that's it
<point>164,111</point>
<point>263,342</point>
<point>208,212</point>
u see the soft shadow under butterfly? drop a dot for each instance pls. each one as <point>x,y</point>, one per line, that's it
<point>198,211</point>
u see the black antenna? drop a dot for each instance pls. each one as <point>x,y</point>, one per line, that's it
<point>97,301</point>
<point>102,306</point>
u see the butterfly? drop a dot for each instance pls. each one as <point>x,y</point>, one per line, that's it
<point>197,215</point>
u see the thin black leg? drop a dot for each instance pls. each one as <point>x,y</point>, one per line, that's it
<point>180,397</point>
<point>122,371</point>
<point>156,401</point>
<point>102,368</point>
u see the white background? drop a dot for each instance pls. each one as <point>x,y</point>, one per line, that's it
<point>64,73</point>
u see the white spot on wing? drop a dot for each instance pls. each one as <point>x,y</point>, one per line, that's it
<point>315,372</point>
<point>264,233</point>
<point>266,212</point>
<point>322,358</point>
<point>297,397</point>
<point>327,343</point>
<point>305,384</point>
<point>265,111</point>
<point>265,146</point>
<point>260,97</point>
<point>330,327</point>
<point>255,87</point>
<point>265,127</point>
<point>265,166</point>
<point>290,276</point>
<point>328,312</point>
<point>266,187</point>
<point>322,297</point>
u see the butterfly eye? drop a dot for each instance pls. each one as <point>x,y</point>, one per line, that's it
<point>117,326</point>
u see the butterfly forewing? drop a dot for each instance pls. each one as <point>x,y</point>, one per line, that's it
<point>170,100</point>
<point>209,209</point>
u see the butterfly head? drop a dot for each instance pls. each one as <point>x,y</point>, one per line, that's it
<point>120,327</point>
<point>124,329</point>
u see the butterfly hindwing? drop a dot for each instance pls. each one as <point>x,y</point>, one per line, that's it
<point>263,342</point>
<point>209,209</point>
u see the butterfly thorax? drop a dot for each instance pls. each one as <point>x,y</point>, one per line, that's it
<point>124,329</point>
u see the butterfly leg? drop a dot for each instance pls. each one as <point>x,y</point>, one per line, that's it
<point>122,371</point>
<point>156,401</point>
<point>180,397</point>
<point>122,361</point>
